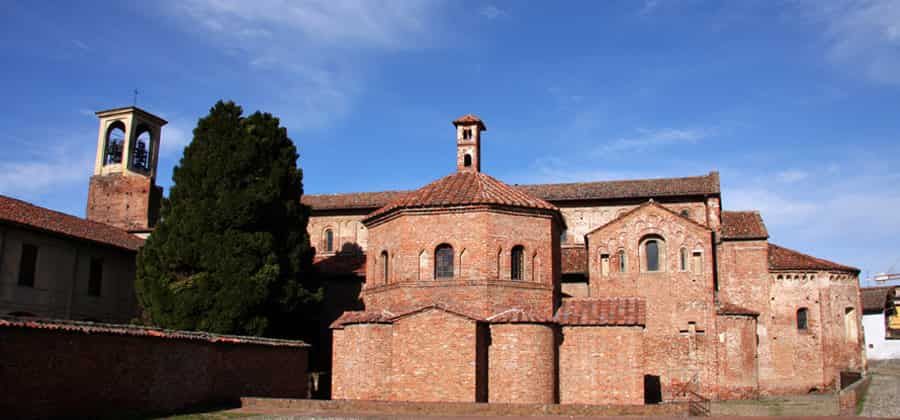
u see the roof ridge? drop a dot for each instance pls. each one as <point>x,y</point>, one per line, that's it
<point>822,261</point>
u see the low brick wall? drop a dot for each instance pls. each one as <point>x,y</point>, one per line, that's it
<point>54,368</point>
<point>396,408</point>
<point>850,396</point>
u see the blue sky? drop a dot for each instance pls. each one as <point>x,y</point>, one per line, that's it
<point>796,103</point>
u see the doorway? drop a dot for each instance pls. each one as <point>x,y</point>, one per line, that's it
<point>652,390</point>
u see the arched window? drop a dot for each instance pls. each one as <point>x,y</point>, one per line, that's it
<point>140,153</point>
<point>329,240</point>
<point>467,133</point>
<point>443,262</point>
<point>467,160</point>
<point>682,259</point>
<point>517,263</point>
<point>653,251</point>
<point>802,319</point>
<point>115,140</point>
<point>623,264</point>
<point>385,267</point>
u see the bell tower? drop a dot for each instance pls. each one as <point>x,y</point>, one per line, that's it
<point>123,190</point>
<point>468,143</point>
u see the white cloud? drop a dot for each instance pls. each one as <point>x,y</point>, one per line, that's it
<point>649,139</point>
<point>791,176</point>
<point>80,45</point>
<point>649,7</point>
<point>491,12</point>
<point>45,169</point>
<point>311,57</point>
<point>863,36</point>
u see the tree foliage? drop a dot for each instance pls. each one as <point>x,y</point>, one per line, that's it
<point>231,253</point>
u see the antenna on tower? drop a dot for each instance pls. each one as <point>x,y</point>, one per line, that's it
<point>134,101</point>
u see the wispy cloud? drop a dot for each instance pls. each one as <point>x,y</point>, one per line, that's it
<point>791,176</point>
<point>652,138</point>
<point>46,168</point>
<point>863,36</point>
<point>314,54</point>
<point>648,7</point>
<point>80,45</point>
<point>491,12</point>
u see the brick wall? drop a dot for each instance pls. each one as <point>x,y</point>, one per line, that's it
<point>522,364</point>
<point>361,366</point>
<point>601,365</point>
<point>127,202</point>
<point>78,370</point>
<point>736,361</point>
<point>434,358</point>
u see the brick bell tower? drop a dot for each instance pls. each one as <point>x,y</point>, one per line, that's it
<point>123,190</point>
<point>468,143</point>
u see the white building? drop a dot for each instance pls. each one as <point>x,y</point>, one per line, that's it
<point>879,303</point>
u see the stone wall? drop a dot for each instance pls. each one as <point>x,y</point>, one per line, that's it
<point>601,365</point>
<point>62,368</point>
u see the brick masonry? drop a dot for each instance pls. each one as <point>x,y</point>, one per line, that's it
<point>60,370</point>
<point>129,202</point>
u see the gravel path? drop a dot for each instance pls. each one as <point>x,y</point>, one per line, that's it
<point>883,398</point>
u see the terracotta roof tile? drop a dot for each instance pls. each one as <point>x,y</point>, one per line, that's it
<point>554,193</point>
<point>637,188</point>
<point>787,259</point>
<point>743,225</point>
<point>574,260</point>
<point>464,189</point>
<point>470,119</point>
<point>138,330</point>
<point>731,309</point>
<point>874,299</point>
<point>519,316</point>
<point>341,264</point>
<point>362,317</point>
<point>29,215</point>
<point>612,311</point>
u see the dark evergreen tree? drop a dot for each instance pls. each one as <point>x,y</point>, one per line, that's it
<point>231,253</point>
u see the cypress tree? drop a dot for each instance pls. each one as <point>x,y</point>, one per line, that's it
<point>231,252</point>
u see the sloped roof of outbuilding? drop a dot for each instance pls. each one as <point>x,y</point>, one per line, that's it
<point>743,225</point>
<point>610,311</point>
<point>781,258</point>
<point>464,189</point>
<point>874,299</point>
<point>35,217</point>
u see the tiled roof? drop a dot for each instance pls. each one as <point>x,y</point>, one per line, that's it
<point>554,193</point>
<point>731,309</point>
<point>137,330</point>
<point>28,215</point>
<point>518,316</point>
<point>470,119</point>
<point>743,225</point>
<point>612,311</point>
<point>363,200</point>
<point>362,317</point>
<point>341,264</point>
<point>787,259</point>
<point>464,189</point>
<point>874,299</point>
<point>636,188</point>
<point>574,260</point>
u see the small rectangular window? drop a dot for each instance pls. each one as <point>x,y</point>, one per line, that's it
<point>697,262</point>
<point>95,280</point>
<point>802,319</point>
<point>683,261</point>
<point>604,264</point>
<point>622,262</point>
<point>28,265</point>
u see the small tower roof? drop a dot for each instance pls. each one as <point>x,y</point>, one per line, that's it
<point>470,119</point>
<point>131,109</point>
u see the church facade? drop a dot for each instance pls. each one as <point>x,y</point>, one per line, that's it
<point>623,292</point>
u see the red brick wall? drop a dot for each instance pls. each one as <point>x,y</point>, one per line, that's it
<point>127,202</point>
<point>737,358</point>
<point>477,237</point>
<point>675,298</point>
<point>842,345</point>
<point>362,362</point>
<point>601,365</point>
<point>522,364</point>
<point>434,358</point>
<point>58,373</point>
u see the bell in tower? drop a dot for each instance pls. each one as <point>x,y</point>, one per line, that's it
<point>123,190</point>
<point>468,143</point>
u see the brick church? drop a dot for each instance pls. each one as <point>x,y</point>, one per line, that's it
<point>624,292</point>
<point>470,289</point>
